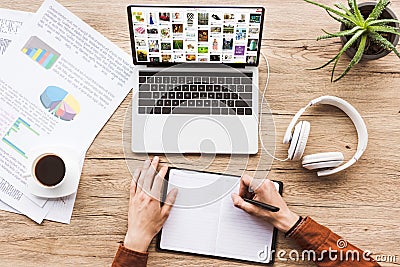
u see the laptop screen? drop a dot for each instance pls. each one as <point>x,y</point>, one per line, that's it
<point>176,34</point>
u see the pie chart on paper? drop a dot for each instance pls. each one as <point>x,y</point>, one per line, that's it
<point>60,103</point>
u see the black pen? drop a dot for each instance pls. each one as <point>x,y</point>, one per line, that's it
<point>262,205</point>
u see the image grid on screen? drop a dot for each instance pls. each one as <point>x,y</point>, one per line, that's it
<point>212,35</point>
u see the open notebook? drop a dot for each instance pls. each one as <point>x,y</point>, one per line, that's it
<point>204,220</point>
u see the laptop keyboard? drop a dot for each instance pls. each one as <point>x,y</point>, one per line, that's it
<point>195,93</point>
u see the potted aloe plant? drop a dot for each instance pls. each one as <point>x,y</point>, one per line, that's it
<point>368,30</point>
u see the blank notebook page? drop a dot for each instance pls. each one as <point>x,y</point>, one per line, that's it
<point>204,220</point>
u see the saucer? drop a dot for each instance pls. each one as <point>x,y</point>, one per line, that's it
<point>71,178</point>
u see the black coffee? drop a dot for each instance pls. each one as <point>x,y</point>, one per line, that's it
<point>50,170</point>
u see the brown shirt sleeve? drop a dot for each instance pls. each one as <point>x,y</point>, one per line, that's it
<point>326,248</point>
<point>129,258</point>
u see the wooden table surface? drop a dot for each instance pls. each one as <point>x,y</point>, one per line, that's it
<point>362,203</point>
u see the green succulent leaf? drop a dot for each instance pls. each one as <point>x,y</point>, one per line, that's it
<point>384,42</point>
<point>382,22</point>
<point>357,57</point>
<point>345,9</point>
<point>324,37</point>
<point>345,47</point>
<point>351,4</point>
<point>357,13</point>
<point>346,22</point>
<point>387,29</point>
<point>334,11</point>
<point>377,11</point>
<point>339,34</point>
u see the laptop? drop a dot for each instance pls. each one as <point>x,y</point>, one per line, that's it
<point>196,78</point>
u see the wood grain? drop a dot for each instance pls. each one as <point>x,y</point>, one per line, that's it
<point>362,204</point>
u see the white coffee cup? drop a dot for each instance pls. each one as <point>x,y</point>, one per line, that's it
<point>54,171</point>
<point>48,170</point>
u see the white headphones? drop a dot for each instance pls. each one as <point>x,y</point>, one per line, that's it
<point>327,160</point>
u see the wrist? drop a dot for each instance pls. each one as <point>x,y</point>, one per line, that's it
<point>287,221</point>
<point>139,244</point>
<point>294,227</point>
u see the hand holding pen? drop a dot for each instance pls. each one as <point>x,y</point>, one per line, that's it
<point>264,201</point>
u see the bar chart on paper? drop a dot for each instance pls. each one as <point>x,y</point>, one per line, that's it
<point>40,52</point>
<point>3,45</point>
<point>20,136</point>
<point>60,103</point>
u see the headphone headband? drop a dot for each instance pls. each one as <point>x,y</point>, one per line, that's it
<point>352,113</point>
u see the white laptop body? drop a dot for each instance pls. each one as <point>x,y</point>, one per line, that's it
<point>179,131</point>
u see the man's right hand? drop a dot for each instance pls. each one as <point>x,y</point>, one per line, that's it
<point>265,192</point>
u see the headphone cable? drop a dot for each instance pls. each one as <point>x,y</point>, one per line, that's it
<point>260,113</point>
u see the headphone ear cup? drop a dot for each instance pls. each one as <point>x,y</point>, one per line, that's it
<point>322,160</point>
<point>299,140</point>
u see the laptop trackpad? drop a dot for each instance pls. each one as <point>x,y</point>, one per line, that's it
<point>184,134</point>
<point>205,135</point>
<point>196,134</point>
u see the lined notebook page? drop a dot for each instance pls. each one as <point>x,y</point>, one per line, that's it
<point>204,220</point>
<point>191,226</point>
<point>242,236</point>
